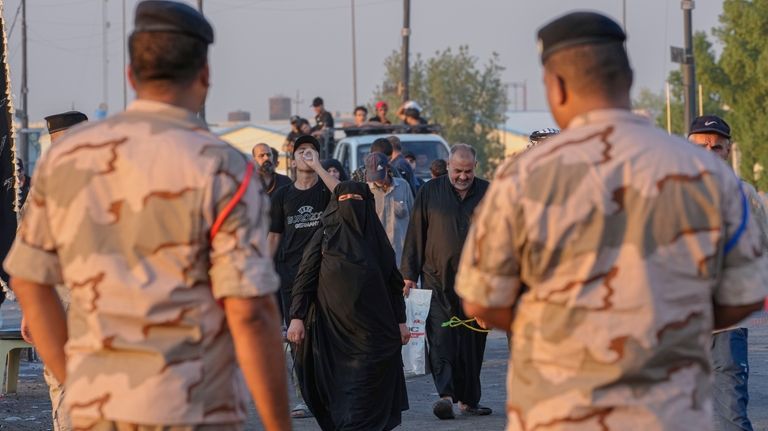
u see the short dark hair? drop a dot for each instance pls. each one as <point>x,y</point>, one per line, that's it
<point>396,144</point>
<point>361,108</point>
<point>166,56</point>
<point>594,69</point>
<point>382,145</point>
<point>438,167</point>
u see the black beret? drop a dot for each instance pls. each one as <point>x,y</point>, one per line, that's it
<point>172,17</point>
<point>64,121</point>
<point>578,28</point>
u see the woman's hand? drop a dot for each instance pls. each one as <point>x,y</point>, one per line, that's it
<point>296,331</point>
<point>405,334</point>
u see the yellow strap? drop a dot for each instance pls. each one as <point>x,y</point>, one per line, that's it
<point>455,322</point>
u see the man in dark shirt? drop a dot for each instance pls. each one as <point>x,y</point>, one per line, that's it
<point>265,159</point>
<point>398,162</point>
<point>323,118</point>
<point>436,233</point>
<point>295,216</point>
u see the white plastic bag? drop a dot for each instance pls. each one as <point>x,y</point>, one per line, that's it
<point>416,312</point>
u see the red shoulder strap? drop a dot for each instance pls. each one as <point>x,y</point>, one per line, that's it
<point>234,201</point>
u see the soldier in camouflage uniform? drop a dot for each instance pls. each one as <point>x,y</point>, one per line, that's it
<point>123,213</point>
<point>57,124</point>
<point>631,244</point>
<point>730,362</point>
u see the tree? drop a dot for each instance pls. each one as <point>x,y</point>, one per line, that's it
<point>468,101</point>
<point>743,32</point>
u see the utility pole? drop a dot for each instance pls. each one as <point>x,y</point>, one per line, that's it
<point>24,142</point>
<point>689,69</point>
<point>406,32</point>
<point>202,108</point>
<point>354,57</point>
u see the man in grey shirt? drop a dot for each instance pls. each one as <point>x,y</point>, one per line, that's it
<point>394,199</point>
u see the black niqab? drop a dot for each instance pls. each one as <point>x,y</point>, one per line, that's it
<point>349,294</point>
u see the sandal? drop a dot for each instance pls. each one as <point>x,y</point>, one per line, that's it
<point>443,409</point>
<point>301,412</point>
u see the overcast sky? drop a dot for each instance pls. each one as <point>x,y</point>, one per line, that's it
<point>278,47</point>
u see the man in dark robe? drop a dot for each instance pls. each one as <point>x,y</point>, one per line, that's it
<point>436,233</point>
<point>349,293</point>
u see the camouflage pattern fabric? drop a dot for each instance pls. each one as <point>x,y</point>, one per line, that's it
<point>99,425</point>
<point>618,230</point>
<point>120,213</point>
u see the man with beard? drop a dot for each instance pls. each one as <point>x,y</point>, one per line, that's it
<point>265,158</point>
<point>730,362</point>
<point>436,233</point>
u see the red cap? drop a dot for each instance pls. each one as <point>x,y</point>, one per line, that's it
<point>381,104</point>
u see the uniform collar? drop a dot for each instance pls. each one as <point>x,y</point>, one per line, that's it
<point>165,110</point>
<point>606,116</point>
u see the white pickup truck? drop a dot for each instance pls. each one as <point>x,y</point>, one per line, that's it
<point>351,150</point>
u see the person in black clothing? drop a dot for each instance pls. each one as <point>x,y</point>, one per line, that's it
<point>361,112</point>
<point>438,227</point>
<point>295,216</point>
<point>348,317</point>
<point>265,159</point>
<point>398,162</point>
<point>323,118</point>
<point>323,128</point>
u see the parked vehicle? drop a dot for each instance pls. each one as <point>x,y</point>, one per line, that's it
<point>351,151</point>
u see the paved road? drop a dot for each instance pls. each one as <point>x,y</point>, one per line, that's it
<point>30,410</point>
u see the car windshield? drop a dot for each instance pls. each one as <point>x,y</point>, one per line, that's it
<point>425,152</point>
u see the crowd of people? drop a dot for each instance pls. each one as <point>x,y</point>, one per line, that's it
<point>608,252</point>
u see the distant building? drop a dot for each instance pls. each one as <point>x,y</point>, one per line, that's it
<point>239,117</point>
<point>279,108</point>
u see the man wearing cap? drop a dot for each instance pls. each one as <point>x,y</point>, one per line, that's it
<point>57,125</point>
<point>381,113</point>
<point>169,272</point>
<point>323,118</point>
<point>394,200</point>
<point>729,346</point>
<point>611,252</point>
<point>265,159</point>
<point>436,232</point>
<point>296,213</point>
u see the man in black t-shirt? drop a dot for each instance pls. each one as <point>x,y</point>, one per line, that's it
<point>296,212</point>
<point>295,216</point>
<point>323,118</point>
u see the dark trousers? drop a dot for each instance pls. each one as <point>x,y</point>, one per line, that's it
<point>455,354</point>
<point>731,370</point>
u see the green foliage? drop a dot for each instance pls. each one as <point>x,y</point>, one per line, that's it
<point>735,83</point>
<point>708,75</point>
<point>467,100</point>
<point>743,32</point>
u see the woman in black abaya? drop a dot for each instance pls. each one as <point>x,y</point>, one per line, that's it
<point>348,316</point>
